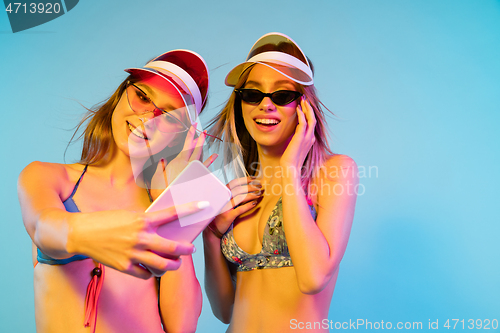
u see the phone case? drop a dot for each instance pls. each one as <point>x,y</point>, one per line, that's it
<point>194,183</point>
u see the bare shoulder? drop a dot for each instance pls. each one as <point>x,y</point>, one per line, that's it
<point>340,160</point>
<point>54,175</point>
<point>339,167</point>
<point>336,187</point>
<point>42,170</point>
<point>337,175</point>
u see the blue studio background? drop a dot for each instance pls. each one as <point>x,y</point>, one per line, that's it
<point>415,86</point>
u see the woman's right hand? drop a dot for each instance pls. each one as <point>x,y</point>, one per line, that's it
<point>245,193</point>
<point>127,240</point>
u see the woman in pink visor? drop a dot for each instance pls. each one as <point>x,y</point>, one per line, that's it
<point>93,245</point>
<point>273,260</point>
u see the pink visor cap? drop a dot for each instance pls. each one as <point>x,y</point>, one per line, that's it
<point>173,66</point>
<point>279,52</point>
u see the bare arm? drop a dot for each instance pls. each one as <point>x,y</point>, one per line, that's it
<point>119,238</point>
<point>219,281</point>
<point>39,190</point>
<point>180,298</point>
<point>220,275</point>
<point>317,247</point>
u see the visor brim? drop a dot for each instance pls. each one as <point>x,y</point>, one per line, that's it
<point>292,73</point>
<point>144,73</point>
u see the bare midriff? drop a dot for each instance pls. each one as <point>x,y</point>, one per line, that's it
<point>126,303</point>
<point>268,300</point>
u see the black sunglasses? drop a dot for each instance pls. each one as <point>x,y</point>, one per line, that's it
<point>279,97</point>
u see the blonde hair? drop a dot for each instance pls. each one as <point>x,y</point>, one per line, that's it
<point>98,142</point>
<point>229,126</point>
<point>98,134</point>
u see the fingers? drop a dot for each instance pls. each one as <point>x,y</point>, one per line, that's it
<point>242,189</point>
<point>161,255</point>
<point>155,219</point>
<point>159,179</point>
<point>210,160</point>
<point>245,189</point>
<point>193,148</point>
<point>302,122</point>
<point>242,209</point>
<point>229,214</point>
<point>158,255</point>
<point>242,198</point>
<point>157,265</point>
<point>139,271</point>
<point>164,172</point>
<point>189,142</point>
<point>310,118</point>
<point>196,154</point>
<point>168,248</point>
<point>159,262</point>
<point>240,181</point>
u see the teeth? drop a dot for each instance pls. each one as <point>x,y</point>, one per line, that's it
<point>136,132</point>
<point>267,121</point>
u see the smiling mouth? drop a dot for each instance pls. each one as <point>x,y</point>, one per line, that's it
<point>137,132</point>
<point>267,122</point>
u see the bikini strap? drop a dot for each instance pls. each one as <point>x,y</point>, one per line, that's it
<point>78,182</point>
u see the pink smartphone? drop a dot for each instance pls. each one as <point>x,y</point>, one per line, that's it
<point>194,183</point>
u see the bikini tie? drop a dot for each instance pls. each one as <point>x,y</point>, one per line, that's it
<point>92,296</point>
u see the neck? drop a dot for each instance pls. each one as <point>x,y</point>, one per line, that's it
<point>269,162</point>
<point>119,170</point>
<point>268,158</point>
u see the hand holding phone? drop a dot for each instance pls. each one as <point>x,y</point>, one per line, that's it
<point>194,183</point>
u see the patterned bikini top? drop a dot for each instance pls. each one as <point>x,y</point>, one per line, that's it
<point>274,252</point>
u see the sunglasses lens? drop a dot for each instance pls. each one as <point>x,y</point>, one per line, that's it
<point>138,101</point>
<point>168,121</point>
<point>284,97</point>
<point>251,96</point>
<point>280,97</point>
<point>175,121</point>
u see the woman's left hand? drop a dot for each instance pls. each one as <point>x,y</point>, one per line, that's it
<point>303,139</point>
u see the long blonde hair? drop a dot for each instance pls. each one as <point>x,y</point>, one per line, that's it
<point>229,126</point>
<point>98,134</point>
